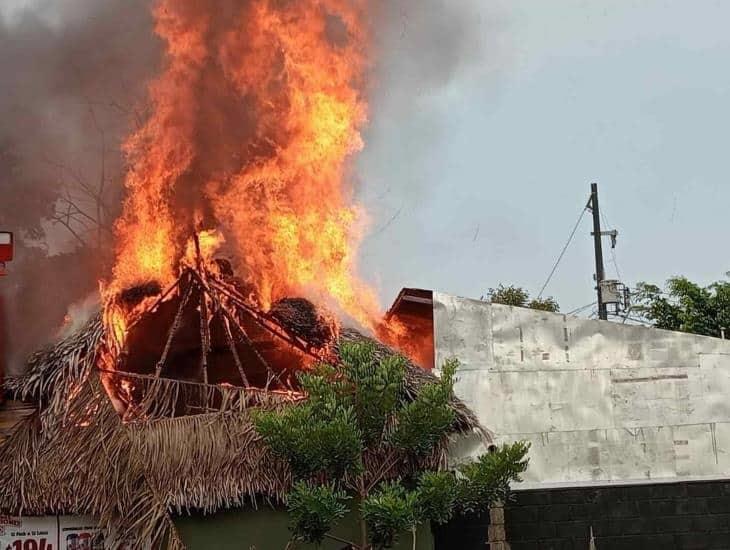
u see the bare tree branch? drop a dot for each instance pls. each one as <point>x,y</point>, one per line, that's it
<point>58,219</point>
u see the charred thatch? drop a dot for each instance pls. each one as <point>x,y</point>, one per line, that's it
<point>224,267</point>
<point>302,318</point>
<point>147,445</point>
<point>134,295</point>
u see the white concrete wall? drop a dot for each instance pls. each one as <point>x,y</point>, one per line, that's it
<point>600,401</point>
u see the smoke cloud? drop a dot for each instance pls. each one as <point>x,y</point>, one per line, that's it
<point>433,60</point>
<point>73,74</point>
<point>426,50</point>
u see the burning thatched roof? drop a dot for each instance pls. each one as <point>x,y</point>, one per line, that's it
<point>178,444</point>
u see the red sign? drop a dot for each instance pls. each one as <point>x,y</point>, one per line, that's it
<point>6,246</point>
<point>28,533</point>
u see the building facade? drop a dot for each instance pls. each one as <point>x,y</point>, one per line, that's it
<point>629,426</point>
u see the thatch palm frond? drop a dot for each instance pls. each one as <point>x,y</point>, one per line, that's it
<point>133,448</point>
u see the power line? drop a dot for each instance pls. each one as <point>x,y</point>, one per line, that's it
<point>562,253</point>
<point>580,309</point>
<point>614,260</point>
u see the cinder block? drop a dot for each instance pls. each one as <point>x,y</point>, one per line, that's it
<point>719,505</point>
<point>534,498</point>
<point>522,514</point>
<point>705,489</point>
<point>656,508</point>
<point>690,506</point>
<point>579,530</point>
<point>569,496</point>
<point>556,512</point>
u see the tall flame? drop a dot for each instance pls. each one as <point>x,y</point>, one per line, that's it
<point>254,120</point>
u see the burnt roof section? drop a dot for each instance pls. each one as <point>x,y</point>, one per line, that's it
<point>410,302</point>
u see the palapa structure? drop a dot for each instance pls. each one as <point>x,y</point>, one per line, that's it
<point>134,432</point>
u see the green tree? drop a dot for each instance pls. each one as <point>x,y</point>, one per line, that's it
<point>517,296</point>
<point>350,442</point>
<point>685,306</point>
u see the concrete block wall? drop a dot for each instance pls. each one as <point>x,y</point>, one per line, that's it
<point>468,532</point>
<point>681,516</point>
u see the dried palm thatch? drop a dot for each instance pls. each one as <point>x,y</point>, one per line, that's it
<point>178,446</point>
<point>82,464</point>
<point>133,475</point>
<point>61,366</point>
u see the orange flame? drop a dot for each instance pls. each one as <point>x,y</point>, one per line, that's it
<point>209,242</point>
<point>255,119</point>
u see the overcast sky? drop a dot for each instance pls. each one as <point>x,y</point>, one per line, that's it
<point>476,171</point>
<point>486,175</point>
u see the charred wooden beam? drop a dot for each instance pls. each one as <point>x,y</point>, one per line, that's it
<point>234,351</point>
<point>173,329</point>
<point>265,321</point>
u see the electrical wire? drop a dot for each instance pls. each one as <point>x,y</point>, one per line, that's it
<point>614,260</point>
<point>562,253</point>
<point>581,308</point>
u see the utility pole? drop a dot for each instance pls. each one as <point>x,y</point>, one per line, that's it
<point>600,272</point>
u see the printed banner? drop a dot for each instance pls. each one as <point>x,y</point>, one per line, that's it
<point>28,533</point>
<point>79,533</point>
<point>55,533</point>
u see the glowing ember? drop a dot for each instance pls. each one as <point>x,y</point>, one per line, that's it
<point>126,388</point>
<point>255,117</point>
<point>116,320</point>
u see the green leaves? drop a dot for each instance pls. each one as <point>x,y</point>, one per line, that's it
<point>389,511</point>
<point>360,407</point>
<point>317,439</point>
<point>544,304</point>
<point>392,509</point>
<point>517,296</point>
<point>436,496</point>
<point>685,306</point>
<point>509,295</point>
<point>488,479</point>
<point>314,511</point>
<point>378,390</point>
<point>424,421</point>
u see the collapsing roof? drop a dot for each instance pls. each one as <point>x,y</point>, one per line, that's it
<point>162,425</point>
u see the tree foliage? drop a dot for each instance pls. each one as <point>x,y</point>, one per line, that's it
<point>517,296</point>
<point>424,421</point>
<point>314,509</point>
<point>488,479</point>
<point>437,496</point>
<point>685,306</point>
<point>544,304</point>
<point>347,440</point>
<point>388,512</point>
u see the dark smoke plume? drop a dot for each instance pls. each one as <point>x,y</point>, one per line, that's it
<point>423,48</point>
<point>73,74</point>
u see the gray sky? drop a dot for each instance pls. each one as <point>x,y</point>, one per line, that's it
<point>631,94</point>
<point>491,118</point>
